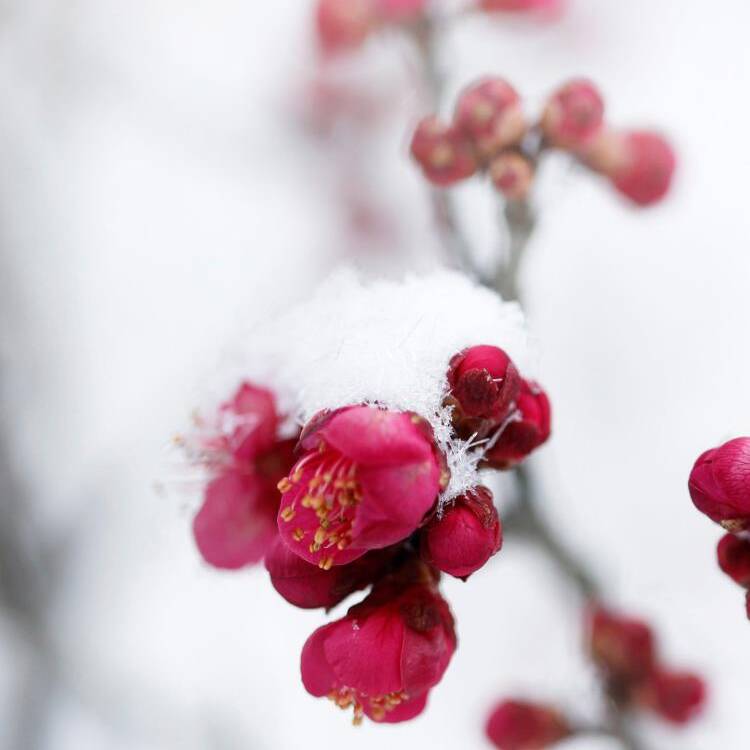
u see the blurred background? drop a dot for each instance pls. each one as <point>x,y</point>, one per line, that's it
<point>168,174</point>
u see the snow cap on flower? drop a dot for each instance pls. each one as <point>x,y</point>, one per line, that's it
<point>512,174</point>
<point>574,114</point>
<point>520,725</point>
<point>443,151</point>
<point>365,480</point>
<point>733,553</point>
<point>385,655</point>
<point>465,536</point>
<point>720,484</point>
<point>525,430</point>
<point>246,457</point>
<point>489,113</point>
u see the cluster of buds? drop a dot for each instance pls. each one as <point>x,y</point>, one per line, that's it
<point>353,503</point>
<point>624,650</point>
<point>720,487</point>
<point>490,134</point>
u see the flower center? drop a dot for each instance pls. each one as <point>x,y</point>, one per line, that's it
<point>378,705</point>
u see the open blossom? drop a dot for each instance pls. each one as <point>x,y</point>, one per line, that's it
<point>734,558</point>
<point>677,697</point>
<point>489,113</point>
<point>385,655</point>
<point>366,480</point>
<point>519,725</point>
<point>308,586</point>
<point>720,484</point>
<point>622,647</point>
<point>484,385</point>
<point>464,538</point>
<point>574,114</point>
<point>236,522</point>
<point>444,153</point>
<point>525,431</point>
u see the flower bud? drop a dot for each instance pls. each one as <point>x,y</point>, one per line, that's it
<point>573,115</point>
<point>465,537</point>
<point>720,484</point>
<point>489,113</point>
<point>344,24</point>
<point>518,725</point>
<point>623,648</point>
<point>308,586</point>
<point>640,164</point>
<point>734,559</point>
<point>520,5</point>
<point>525,431</point>
<point>484,385</point>
<point>677,697</point>
<point>512,175</point>
<point>401,11</point>
<point>444,153</point>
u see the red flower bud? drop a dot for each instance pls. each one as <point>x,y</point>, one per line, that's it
<point>308,586</point>
<point>529,428</point>
<point>520,5</point>
<point>484,385</point>
<point>640,164</point>
<point>385,655</point>
<point>734,558</point>
<point>465,537</point>
<point>344,24</point>
<point>444,153</point>
<point>489,113</point>
<point>512,175</point>
<point>720,484</point>
<point>401,11</point>
<point>365,481</point>
<point>623,648</point>
<point>574,114</point>
<point>517,725</point>
<point>677,697</point>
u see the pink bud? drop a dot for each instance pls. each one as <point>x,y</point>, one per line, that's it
<point>307,586</point>
<point>484,384</point>
<point>444,153</point>
<point>521,5</point>
<point>525,431</point>
<point>344,24</point>
<point>385,655</point>
<point>489,113</point>
<point>518,725</point>
<point>465,537</point>
<point>677,697</point>
<point>401,11</point>
<point>573,115</point>
<point>720,484</point>
<point>512,175</point>
<point>734,558</point>
<point>366,479</point>
<point>622,647</point>
<point>641,166</point>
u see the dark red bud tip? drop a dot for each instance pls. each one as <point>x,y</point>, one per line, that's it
<point>720,484</point>
<point>518,725</point>
<point>524,431</point>
<point>512,175</point>
<point>733,553</point>
<point>484,385</point>
<point>622,647</point>
<point>444,153</point>
<point>573,115</point>
<point>678,697</point>
<point>465,537</point>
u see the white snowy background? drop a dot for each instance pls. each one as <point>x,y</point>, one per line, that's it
<point>154,195</point>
